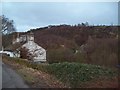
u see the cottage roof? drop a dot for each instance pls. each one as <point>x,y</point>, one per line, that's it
<point>31,45</point>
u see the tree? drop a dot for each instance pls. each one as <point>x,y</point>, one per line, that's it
<point>7,25</point>
<point>24,53</point>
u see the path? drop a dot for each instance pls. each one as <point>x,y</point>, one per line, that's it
<point>10,79</point>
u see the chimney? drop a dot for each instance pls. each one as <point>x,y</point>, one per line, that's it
<point>30,37</point>
<point>18,35</point>
<point>13,41</point>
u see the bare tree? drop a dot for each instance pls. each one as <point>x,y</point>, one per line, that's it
<point>7,25</point>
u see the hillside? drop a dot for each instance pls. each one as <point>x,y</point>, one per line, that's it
<point>85,44</point>
<point>55,36</point>
<point>70,36</point>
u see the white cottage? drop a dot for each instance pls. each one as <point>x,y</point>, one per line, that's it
<point>35,52</point>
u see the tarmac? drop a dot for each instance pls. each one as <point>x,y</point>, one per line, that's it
<point>10,79</point>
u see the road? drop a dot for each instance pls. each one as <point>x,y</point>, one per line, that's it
<point>0,73</point>
<point>10,79</point>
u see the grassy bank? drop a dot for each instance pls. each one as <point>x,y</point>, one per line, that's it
<point>75,73</point>
<point>72,74</point>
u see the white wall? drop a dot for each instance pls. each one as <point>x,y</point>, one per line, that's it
<point>38,52</point>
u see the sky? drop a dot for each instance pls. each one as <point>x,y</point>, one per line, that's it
<point>31,15</point>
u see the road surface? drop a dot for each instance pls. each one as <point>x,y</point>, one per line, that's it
<point>0,73</point>
<point>10,79</point>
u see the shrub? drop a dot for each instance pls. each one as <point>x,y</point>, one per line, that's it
<point>76,73</point>
<point>23,53</point>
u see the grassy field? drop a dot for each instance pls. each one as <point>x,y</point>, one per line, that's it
<point>74,74</point>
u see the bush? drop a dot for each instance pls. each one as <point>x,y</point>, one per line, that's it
<point>76,73</point>
<point>23,53</point>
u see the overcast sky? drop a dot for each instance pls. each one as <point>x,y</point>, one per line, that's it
<point>33,15</point>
